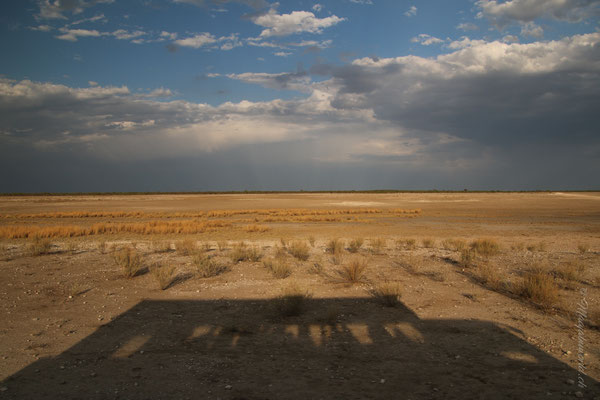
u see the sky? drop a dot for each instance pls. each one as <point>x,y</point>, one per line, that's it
<point>218,95</point>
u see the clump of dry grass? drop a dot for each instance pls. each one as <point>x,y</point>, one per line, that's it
<point>300,250</point>
<point>242,252</point>
<point>353,271</point>
<point>467,257</point>
<point>539,287</point>
<point>129,260</point>
<point>583,247</point>
<point>161,246</point>
<point>186,247</point>
<point>485,247</point>
<point>406,244</point>
<point>102,246</point>
<point>163,275</point>
<point>311,240</point>
<point>540,246</point>
<point>257,228</point>
<point>386,293</point>
<point>378,245</point>
<point>489,276</point>
<point>207,267</point>
<point>278,267</point>
<point>454,244</point>
<point>292,301</point>
<point>222,245</point>
<point>569,271</point>
<point>316,268</point>
<point>335,246</point>
<point>428,243</point>
<point>355,245</point>
<point>519,246</point>
<point>284,242</point>
<point>39,246</point>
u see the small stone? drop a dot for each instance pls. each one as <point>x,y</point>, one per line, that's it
<point>382,381</point>
<point>3,389</point>
<point>579,395</point>
<point>570,381</point>
<point>568,351</point>
<point>93,374</point>
<point>228,387</point>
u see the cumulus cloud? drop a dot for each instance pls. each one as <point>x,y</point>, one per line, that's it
<point>293,23</point>
<point>426,40</point>
<point>256,4</point>
<point>502,13</point>
<point>411,12</point>
<point>488,92</point>
<point>73,35</point>
<point>531,29</point>
<point>285,80</point>
<point>467,26</point>
<point>317,7</point>
<point>55,9</point>
<point>206,39</point>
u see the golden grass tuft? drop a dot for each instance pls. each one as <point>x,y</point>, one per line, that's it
<point>355,245</point>
<point>406,244</point>
<point>256,228</point>
<point>300,250</point>
<point>583,247</point>
<point>428,243</point>
<point>292,301</point>
<point>539,287</point>
<point>485,247</point>
<point>489,276</point>
<point>377,245</point>
<point>222,245</point>
<point>353,271</point>
<point>316,268</point>
<point>242,252</point>
<point>161,246</point>
<point>39,246</point>
<point>386,293</point>
<point>207,267</point>
<point>569,271</point>
<point>467,257</point>
<point>311,240</point>
<point>129,260</point>
<point>278,267</point>
<point>335,246</point>
<point>163,275</point>
<point>454,244</point>
<point>186,247</point>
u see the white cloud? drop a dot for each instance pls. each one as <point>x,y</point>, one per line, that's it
<point>293,23</point>
<point>122,34</point>
<point>285,80</point>
<point>99,17</point>
<point>531,29</point>
<point>206,39</point>
<point>411,12</point>
<point>465,42</point>
<point>168,35</point>
<point>42,28</point>
<point>49,9</point>
<point>197,41</point>
<point>501,13</point>
<point>510,39</point>
<point>282,54</point>
<point>317,7</point>
<point>73,34</point>
<point>467,26</point>
<point>426,40</point>
<point>362,1</point>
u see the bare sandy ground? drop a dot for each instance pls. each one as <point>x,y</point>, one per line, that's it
<point>74,327</point>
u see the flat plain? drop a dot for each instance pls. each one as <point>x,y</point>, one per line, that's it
<point>300,295</point>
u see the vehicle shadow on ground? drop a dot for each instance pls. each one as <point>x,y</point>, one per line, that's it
<point>344,348</point>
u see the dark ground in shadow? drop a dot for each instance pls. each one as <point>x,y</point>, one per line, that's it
<point>338,349</point>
